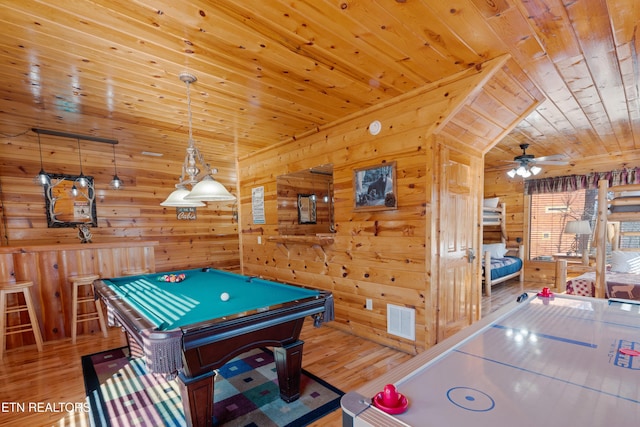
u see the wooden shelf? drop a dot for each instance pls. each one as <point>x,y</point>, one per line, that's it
<point>316,241</point>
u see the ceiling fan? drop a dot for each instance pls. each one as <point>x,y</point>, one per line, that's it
<point>527,164</point>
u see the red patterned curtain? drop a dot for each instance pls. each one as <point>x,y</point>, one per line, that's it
<point>579,182</point>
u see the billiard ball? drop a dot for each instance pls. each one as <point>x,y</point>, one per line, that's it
<point>224,296</point>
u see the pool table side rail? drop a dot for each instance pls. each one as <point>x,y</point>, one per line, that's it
<point>141,322</point>
<point>117,306</point>
<point>190,341</point>
<point>223,330</point>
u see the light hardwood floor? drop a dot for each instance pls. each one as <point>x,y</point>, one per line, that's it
<point>54,377</point>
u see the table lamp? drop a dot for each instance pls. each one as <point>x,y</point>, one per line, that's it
<point>577,228</point>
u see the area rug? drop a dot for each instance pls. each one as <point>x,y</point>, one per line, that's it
<point>121,392</point>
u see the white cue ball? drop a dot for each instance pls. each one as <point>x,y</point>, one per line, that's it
<point>224,296</point>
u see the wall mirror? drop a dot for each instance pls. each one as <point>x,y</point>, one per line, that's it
<point>305,201</point>
<point>70,201</point>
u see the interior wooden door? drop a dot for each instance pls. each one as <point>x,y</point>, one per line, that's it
<point>459,290</point>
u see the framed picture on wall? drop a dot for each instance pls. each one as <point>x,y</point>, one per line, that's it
<point>375,187</point>
<point>306,209</point>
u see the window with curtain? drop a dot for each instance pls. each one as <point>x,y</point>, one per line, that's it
<point>562,207</point>
<point>553,220</point>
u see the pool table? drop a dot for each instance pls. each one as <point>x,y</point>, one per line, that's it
<point>539,361</point>
<point>186,328</point>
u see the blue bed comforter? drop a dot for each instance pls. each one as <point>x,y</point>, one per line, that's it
<point>501,267</point>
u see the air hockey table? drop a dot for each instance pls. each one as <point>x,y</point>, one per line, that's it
<point>556,361</point>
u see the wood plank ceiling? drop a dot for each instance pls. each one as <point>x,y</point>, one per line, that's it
<point>274,70</point>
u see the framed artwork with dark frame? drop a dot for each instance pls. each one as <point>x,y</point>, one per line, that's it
<point>306,209</point>
<point>375,187</point>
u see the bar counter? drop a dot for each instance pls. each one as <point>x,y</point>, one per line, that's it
<point>49,266</point>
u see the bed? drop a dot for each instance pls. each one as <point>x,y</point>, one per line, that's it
<point>618,285</point>
<point>622,278</point>
<point>504,263</point>
<point>502,266</point>
<point>494,215</point>
<point>616,275</point>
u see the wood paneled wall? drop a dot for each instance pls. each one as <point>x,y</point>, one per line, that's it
<point>386,256</point>
<point>377,255</point>
<point>130,214</point>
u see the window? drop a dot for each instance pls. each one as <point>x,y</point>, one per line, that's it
<point>550,214</point>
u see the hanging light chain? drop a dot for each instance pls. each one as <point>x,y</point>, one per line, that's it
<point>40,149</point>
<point>189,167</point>
<point>189,116</point>
<point>80,156</point>
<point>115,166</point>
<point>42,178</point>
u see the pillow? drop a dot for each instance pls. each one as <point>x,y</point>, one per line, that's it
<point>490,215</point>
<point>625,262</point>
<point>625,208</point>
<point>496,250</point>
<point>491,203</point>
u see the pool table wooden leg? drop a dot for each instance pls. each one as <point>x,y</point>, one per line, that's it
<point>197,399</point>
<point>289,366</point>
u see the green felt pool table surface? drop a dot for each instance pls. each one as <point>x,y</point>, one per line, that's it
<point>170,305</point>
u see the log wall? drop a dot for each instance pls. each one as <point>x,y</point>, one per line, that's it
<point>386,256</point>
<point>129,214</point>
<point>377,255</point>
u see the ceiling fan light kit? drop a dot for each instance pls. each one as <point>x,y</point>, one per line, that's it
<point>527,164</point>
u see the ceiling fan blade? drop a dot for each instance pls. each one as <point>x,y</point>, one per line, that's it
<point>551,157</point>
<point>550,162</point>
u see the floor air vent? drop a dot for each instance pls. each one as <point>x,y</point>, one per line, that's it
<point>401,321</point>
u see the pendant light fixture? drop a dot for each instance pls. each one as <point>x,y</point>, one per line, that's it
<point>82,180</point>
<point>116,183</point>
<point>205,189</point>
<point>42,178</point>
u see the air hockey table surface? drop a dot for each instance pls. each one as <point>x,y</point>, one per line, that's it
<point>559,361</point>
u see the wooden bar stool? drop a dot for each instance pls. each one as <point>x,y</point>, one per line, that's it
<point>16,288</point>
<point>78,283</point>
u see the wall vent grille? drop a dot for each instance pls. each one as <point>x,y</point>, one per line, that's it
<point>401,321</point>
